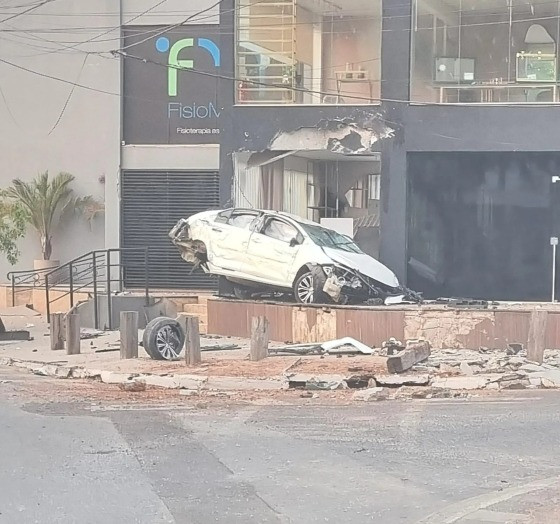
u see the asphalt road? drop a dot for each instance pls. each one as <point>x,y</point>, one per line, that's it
<point>67,459</point>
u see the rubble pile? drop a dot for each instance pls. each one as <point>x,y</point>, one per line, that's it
<point>442,373</point>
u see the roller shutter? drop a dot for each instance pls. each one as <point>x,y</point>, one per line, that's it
<point>151,204</point>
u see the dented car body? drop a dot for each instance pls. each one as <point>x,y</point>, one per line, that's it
<point>267,251</point>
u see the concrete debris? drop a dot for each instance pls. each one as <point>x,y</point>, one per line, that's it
<point>87,333</point>
<point>391,346</point>
<point>334,346</point>
<point>466,369</point>
<point>405,359</point>
<point>188,393</point>
<point>325,385</point>
<point>339,346</point>
<point>467,383</point>
<point>367,395</point>
<point>394,381</point>
<point>133,386</point>
<point>514,349</point>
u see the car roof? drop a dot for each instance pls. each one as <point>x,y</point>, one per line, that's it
<point>283,214</point>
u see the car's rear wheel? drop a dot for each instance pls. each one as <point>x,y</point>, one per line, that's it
<point>308,287</point>
<point>164,339</point>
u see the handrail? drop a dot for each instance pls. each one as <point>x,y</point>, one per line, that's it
<point>91,269</point>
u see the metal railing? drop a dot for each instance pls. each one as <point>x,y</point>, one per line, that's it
<point>23,281</point>
<point>96,273</point>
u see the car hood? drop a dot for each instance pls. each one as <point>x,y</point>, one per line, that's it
<point>364,264</point>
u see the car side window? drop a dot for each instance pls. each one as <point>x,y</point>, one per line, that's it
<point>280,230</point>
<point>242,220</point>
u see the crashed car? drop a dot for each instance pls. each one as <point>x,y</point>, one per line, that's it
<point>268,251</point>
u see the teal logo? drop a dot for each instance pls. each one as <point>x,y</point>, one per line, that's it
<point>175,63</point>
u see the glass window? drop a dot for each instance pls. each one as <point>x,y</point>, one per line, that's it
<point>481,51</point>
<point>308,51</point>
<point>329,238</point>
<point>242,220</point>
<point>280,230</point>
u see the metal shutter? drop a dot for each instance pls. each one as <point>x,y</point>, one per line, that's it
<point>151,204</point>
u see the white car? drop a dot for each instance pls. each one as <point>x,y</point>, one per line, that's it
<point>263,251</point>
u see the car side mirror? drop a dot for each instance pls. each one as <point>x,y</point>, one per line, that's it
<point>294,242</point>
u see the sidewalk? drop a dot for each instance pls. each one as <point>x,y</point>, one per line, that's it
<point>446,373</point>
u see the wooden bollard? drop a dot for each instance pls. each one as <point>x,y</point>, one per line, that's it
<point>193,356</point>
<point>259,338</point>
<point>57,331</point>
<point>72,334</point>
<point>537,336</point>
<point>129,334</point>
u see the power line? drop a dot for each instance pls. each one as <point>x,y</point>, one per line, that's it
<point>36,6</point>
<point>69,96</point>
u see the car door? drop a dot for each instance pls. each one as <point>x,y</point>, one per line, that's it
<point>272,250</point>
<point>230,234</point>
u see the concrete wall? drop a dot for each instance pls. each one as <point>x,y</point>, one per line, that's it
<point>443,327</point>
<point>45,124</point>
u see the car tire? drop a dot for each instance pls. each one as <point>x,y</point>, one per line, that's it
<point>308,287</point>
<point>164,339</point>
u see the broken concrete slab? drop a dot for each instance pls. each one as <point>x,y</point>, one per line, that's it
<point>549,378</point>
<point>367,395</point>
<point>51,370</point>
<point>402,380</point>
<point>532,368</point>
<point>110,377</point>
<point>21,335</point>
<point>189,393</point>
<point>405,359</point>
<point>474,382</point>
<point>466,369</point>
<point>514,384</point>
<point>321,385</point>
<point>133,386</point>
<point>245,384</point>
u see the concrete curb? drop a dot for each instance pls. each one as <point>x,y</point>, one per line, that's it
<point>189,382</point>
<point>547,379</point>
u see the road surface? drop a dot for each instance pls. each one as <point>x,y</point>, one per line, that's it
<point>88,453</point>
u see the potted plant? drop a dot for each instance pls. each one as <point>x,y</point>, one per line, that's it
<point>46,202</point>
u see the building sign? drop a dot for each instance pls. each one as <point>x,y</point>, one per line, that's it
<point>170,85</point>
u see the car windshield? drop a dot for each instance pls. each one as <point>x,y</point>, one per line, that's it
<point>328,238</point>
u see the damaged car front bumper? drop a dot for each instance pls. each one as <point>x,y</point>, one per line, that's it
<point>345,285</point>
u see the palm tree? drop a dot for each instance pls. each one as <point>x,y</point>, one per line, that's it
<point>45,201</point>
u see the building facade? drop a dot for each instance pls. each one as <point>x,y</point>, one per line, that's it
<point>429,124</point>
<point>453,102</point>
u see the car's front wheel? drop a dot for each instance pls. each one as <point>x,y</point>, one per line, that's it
<point>308,287</point>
